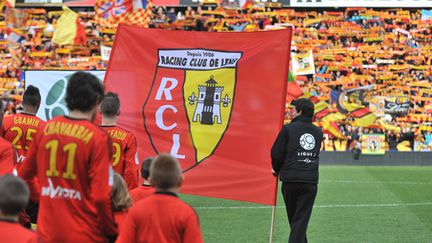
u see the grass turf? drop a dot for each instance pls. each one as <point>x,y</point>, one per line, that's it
<point>354,204</point>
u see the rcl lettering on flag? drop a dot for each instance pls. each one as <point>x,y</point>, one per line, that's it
<point>215,101</point>
<point>203,82</point>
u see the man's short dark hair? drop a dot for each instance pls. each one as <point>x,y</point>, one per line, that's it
<point>110,105</point>
<point>305,106</point>
<point>165,172</point>
<point>14,195</point>
<point>145,167</point>
<point>31,96</point>
<point>84,91</point>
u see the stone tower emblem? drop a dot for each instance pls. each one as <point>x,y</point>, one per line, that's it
<point>209,100</point>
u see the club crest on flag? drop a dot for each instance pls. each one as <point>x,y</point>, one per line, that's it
<point>192,99</point>
<point>209,111</point>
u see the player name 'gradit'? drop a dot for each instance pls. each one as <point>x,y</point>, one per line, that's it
<point>117,134</point>
<point>26,121</point>
<point>70,130</point>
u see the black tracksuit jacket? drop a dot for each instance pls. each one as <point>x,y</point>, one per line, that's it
<point>295,153</point>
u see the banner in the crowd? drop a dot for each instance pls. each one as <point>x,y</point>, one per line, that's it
<point>373,144</point>
<point>212,100</point>
<point>302,63</point>
<point>52,87</point>
<point>105,53</point>
<point>241,3</point>
<point>393,105</point>
<point>362,3</point>
<point>19,3</point>
<point>376,105</point>
<point>48,3</point>
<point>284,3</point>
<point>419,144</point>
<point>397,105</point>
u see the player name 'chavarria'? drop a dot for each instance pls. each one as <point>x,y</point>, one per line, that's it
<point>69,129</point>
<point>26,121</point>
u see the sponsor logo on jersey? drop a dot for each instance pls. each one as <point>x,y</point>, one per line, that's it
<point>59,192</point>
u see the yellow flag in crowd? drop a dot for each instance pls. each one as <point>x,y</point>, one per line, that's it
<point>366,120</point>
<point>389,127</point>
<point>69,30</point>
<point>333,129</point>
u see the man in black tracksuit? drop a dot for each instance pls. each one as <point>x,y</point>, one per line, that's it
<point>295,159</point>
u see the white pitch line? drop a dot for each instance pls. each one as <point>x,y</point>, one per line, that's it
<point>236,207</point>
<point>373,205</point>
<point>324,206</point>
<point>377,182</point>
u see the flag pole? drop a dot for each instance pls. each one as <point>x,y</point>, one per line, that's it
<point>273,216</point>
<point>272,223</point>
<point>282,119</point>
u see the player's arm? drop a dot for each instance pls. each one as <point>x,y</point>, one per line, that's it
<point>278,149</point>
<point>131,170</point>
<point>7,159</point>
<point>2,130</point>
<point>28,169</point>
<point>33,183</point>
<point>192,231</point>
<point>128,233</point>
<point>100,174</point>
<point>4,126</point>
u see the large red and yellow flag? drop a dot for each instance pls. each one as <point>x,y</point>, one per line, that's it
<point>69,29</point>
<point>215,101</point>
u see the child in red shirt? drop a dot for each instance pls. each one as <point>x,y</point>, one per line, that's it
<point>120,200</point>
<point>14,198</point>
<point>146,189</point>
<point>162,217</point>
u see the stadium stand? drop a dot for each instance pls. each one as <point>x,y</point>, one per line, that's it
<point>367,70</point>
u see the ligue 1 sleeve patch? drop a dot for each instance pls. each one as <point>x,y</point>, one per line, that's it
<point>110,176</point>
<point>136,158</point>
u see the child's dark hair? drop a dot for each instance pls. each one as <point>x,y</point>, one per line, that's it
<point>31,96</point>
<point>110,105</point>
<point>145,167</point>
<point>84,91</point>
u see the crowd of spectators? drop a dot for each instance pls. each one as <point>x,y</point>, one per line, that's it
<point>389,49</point>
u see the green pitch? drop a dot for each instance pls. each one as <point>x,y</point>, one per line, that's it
<point>354,204</point>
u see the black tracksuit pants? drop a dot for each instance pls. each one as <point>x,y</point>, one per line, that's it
<point>299,199</point>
